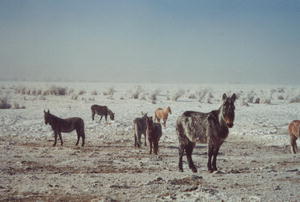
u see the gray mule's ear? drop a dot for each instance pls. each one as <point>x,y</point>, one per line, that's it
<point>44,111</point>
<point>224,96</point>
<point>48,111</point>
<point>233,97</point>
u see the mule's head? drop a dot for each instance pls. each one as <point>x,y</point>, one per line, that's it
<point>149,122</point>
<point>111,115</point>
<point>227,109</point>
<point>46,116</point>
<point>169,110</point>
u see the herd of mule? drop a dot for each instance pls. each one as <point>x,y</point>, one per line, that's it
<point>191,127</point>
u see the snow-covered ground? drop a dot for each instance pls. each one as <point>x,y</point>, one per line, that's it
<point>255,162</point>
<point>265,123</point>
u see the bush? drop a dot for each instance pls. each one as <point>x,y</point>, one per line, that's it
<point>81,92</point>
<point>59,91</point>
<point>178,94</point>
<point>136,93</point>
<point>4,103</point>
<point>94,93</point>
<point>17,106</point>
<point>202,94</point>
<point>295,99</point>
<point>110,91</point>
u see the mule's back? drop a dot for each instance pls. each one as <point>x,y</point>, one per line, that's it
<point>193,125</point>
<point>140,124</point>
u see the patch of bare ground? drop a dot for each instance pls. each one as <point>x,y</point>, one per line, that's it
<point>36,171</point>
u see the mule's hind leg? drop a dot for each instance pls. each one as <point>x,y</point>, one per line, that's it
<point>189,150</point>
<point>61,140</point>
<point>82,137</point>
<point>93,115</point>
<point>55,139</point>
<point>181,152</point>
<point>293,140</point>
<point>78,136</point>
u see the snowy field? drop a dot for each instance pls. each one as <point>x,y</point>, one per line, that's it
<point>262,117</point>
<point>265,122</point>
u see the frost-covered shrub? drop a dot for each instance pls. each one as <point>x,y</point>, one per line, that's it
<point>153,96</point>
<point>17,106</point>
<point>94,93</point>
<point>74,97</point>
<point>280,97</point>
<point>4,103</point>
<point>81,92</point>
<point>244,103</point>
<point>136,93</point>
<point>59,91</point>
<point>110,91</point>
<point>178,94</point>
<point>42,98</point>
<point>192,96</point>
<point>202,94</point>
<point>257,100</point>
<point>266,101</point>
<point>295,99</point>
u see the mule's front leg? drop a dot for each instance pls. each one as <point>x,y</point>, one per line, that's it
<point>151,146</point>
<point>210,153</point>
<point>214,161</point>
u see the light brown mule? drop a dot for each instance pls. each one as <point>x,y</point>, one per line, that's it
<point>162,114</point>
<point>294,131</point>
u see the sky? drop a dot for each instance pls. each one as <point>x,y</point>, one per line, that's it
<point>169,41</point>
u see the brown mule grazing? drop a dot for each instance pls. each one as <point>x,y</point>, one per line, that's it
<point>154,133</point>
<point>294,131</point>
<point>161,113</point>
<point>60,125</point>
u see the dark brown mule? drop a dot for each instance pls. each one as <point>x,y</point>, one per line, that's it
<point>211,128</point>
<point>294,131</point>
<point>60,125</point>
<point>154,133</point>
<point>161,113</point>
<point>102,111</point>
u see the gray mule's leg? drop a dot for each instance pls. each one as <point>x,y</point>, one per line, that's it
<point>145,139</point>
<point>181,152</point>
<point>151,146</point>
<point>189,150</point>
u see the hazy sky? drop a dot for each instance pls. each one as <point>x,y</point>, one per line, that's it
<point>196,41</point>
